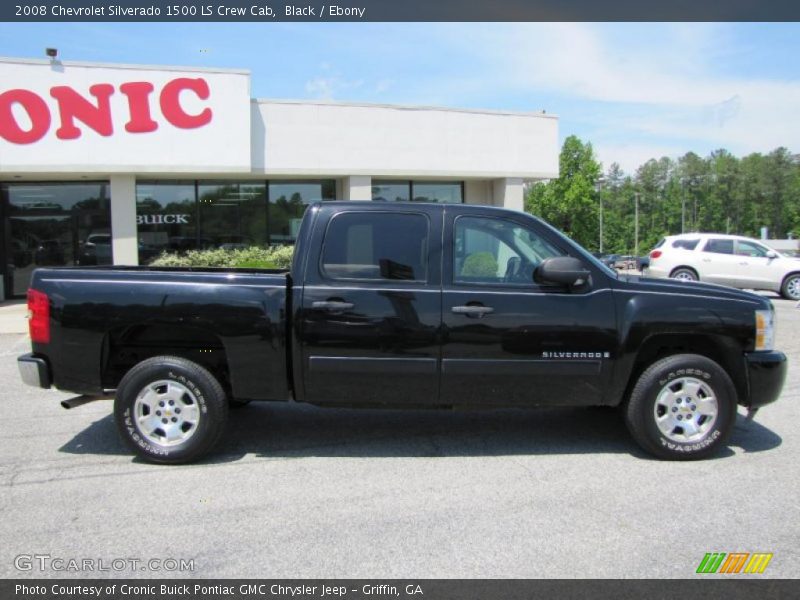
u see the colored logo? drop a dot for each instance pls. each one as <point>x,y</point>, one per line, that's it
<point>735,562</point>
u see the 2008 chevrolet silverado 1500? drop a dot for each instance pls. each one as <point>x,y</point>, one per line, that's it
<point>405,305</point>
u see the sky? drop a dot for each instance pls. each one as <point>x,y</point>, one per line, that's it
<point>635,91</point>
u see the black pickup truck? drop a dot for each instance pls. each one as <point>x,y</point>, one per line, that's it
<point>404,305</point>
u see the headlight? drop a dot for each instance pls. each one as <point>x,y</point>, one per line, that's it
<point>765,329</point>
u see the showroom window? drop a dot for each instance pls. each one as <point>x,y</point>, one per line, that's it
<point>232,215</point>
<point>288,201</point>
<point>178,216</point>
<point>449,192</point>
<point>166,218</point>
<point>53,224</point>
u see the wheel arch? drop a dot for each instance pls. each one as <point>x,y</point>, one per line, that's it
<point>687,267</point>
<point>124,348</point>
<point>723,351</point>
<point>786,278</point>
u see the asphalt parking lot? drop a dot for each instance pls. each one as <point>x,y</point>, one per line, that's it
<point>297,491</point>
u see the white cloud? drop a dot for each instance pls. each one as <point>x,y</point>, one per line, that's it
<point>331,86</point>
<point>630,156</point>
<point>669,73</point>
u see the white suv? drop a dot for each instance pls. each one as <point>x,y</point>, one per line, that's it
<point>728,260</point>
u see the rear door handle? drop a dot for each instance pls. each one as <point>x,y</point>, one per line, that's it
<point>332,305</point>
<point>472,311</point>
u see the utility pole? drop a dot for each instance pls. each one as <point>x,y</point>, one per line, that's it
<point>636,224</point>
<point>601,223</point>
<point>683,205</point>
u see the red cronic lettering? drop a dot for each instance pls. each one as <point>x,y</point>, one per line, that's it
<point>37,113</point>
<point>73,106</point>
<point>171,106</point>
<point>139,106</point>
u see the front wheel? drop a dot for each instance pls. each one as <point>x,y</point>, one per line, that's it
<point>170,410</point>
<point>683,407</point>
<point>791,287</point>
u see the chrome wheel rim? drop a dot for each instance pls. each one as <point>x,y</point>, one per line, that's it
<point>166,413</point>
<point>793,288</point>
<point>686,410</point>
<point>684,276</point>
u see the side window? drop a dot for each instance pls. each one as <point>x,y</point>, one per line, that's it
<point>749,249</point>
<point>686,244</point>
<point>497,251</point>
<point>719,246</point>
<point>376,246</point>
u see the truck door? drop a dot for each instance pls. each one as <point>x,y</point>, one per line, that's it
<point>370,313</point>
<point>507,340</point>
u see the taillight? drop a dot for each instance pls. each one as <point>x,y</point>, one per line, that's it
<point>655,254</point>
<point>39,316</point>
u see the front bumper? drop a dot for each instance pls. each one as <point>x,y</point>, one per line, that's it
<point>766,372</point>
<point>34,371</point>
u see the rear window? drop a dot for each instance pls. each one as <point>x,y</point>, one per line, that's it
<point>686,244</point>
<point>719,246</point>
<point>376,246</point>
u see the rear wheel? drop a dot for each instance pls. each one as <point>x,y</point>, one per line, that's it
<point>170,410</point>
<point>791,287</point>
<point>685,274</point>
<point>682,407</point>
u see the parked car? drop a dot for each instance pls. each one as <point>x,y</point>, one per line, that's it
<point>731,260</point>
<point>643,263</point>
<point>21,256</point>
<point>607,259</point>
<point>96,250</point>
<point>49,253</point>
<point>404,305</point>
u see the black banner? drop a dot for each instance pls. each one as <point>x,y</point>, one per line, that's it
<point>734,588</point>
<point>398,10</point>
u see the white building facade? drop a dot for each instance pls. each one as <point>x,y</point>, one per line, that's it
<point>106,163</point>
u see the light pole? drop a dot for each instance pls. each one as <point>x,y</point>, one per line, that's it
<point>598,187</point>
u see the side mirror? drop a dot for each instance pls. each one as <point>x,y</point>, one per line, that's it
<point>561,270</point>
<point>772,254</point>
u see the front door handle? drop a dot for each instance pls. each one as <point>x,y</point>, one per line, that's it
<point>332,305</point>
<point>472,310</point>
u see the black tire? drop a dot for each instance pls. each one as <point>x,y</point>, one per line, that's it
<point>193,389</point>
<point>790,289</point>
<point>682,373</point>
<point>685,274</point>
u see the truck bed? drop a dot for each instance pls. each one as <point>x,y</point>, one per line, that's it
<point>106,319</point>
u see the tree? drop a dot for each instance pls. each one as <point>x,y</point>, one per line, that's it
<point>570,202</point>
<point>718,193</point>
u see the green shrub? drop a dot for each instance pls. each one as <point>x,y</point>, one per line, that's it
<point>255,264</point>
<point>480,264</point>
<point>254,257</point>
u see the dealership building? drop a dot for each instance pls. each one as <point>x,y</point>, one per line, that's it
<point>112,163</point>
